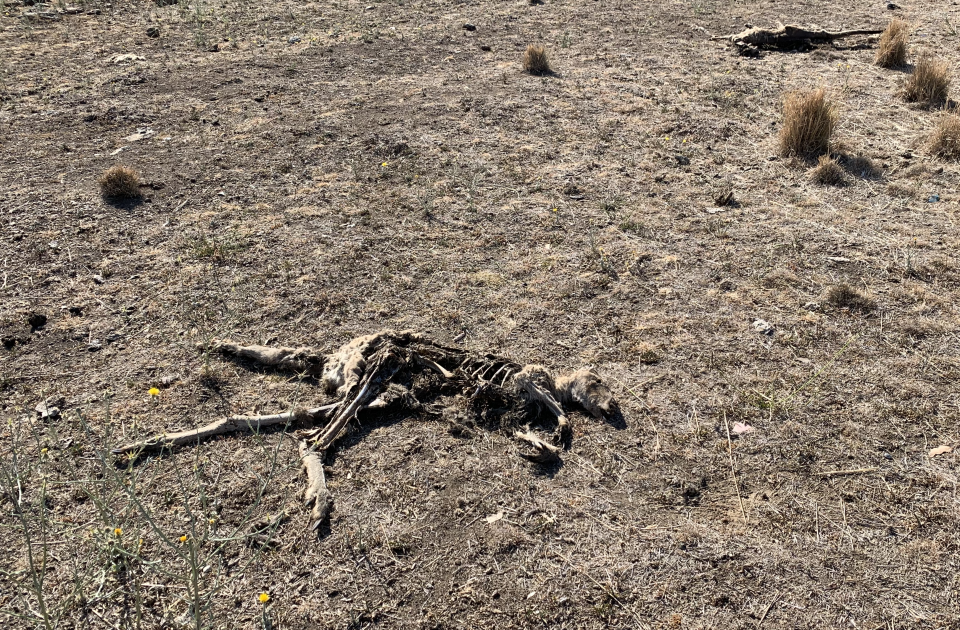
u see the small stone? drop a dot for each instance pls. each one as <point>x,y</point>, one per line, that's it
<point>763,327</point>
<point>682,160</point>
<point>153,31</point>
<point>469,27</point>
<point>933,199</point>
<point>98,279</point>
<point>892,7</point>
<point>94,345</point>
<point>47,411</point>
<point>293,40</point>
<point>36,321</point>
<point>812,306</point>
<point>169,380</point>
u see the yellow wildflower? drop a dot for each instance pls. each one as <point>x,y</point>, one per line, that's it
<point>264,598</point>
<point>153,391</point>
<point>117,532</point>
<point>183,538</point>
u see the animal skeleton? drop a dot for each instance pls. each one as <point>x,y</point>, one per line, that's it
<point>381,370</point>
<point>785,36</point>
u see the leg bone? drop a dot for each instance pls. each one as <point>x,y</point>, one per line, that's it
<point>233,424</point>
<point>317,494</point>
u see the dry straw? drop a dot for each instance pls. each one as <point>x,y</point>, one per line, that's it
<point>929,83</point>
<point>809,119</point>
<point>828,172</point>
<point>120,182</point>
<point>535,60</point>
<point>892,51</point>
<point>945,139</point>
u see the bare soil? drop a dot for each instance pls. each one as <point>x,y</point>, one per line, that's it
<point>313,171</point>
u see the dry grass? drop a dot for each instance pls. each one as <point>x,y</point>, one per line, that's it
<point>845,296</point>
<point>892,51</point>
<point>929,83</point>
<point>809,119</point>
<point>120,182</point>
<point>945,139</point>
<point>828,172</point>
<point>535,60</point>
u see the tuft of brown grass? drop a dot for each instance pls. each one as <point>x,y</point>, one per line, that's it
<point>808,122</point>
<point>120,182</point>
<point>845,296</point>
<point>892,51</point>
<point>828,172</point>
<point>863,167</point>
<point>535,60</point>
<point>945,139</point>
<point>929,83</point>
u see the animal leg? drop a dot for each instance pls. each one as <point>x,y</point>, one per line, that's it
<point>543,453</point>
<point>232,424</point>
<point>316,494</point>
<point>296,359</point>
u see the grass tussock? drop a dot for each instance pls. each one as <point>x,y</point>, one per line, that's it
<point>929,83</point>
<point>828,172</point>
<point>945,139</point>
<point>120,182</point>
<point>535,60</point>
<point>863,167</point>
<point>845,296</point>
<point>892,50</point>
<point>809,119</point>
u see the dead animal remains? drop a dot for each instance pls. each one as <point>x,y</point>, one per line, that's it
<point>404,370</point>
<point>786,36</point>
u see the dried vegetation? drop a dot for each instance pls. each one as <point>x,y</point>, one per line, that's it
<point>120,182</point>
<point>892,48</point>
<point>809,119</point>
<point>828,172</point>
<point>536,61</point>
<point>945,139</point>
<point>929,83</point>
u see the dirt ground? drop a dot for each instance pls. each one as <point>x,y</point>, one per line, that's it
<point>315,171</point>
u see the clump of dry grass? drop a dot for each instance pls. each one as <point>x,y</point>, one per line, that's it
<point>845,296</point>
<point>892,51</point>
<point>809,119</point>
<point>827,172</point>
<point>945,139</point>
<point>120,182</point>
<point>929,83</point>
<point>535,60</point>
<point>862,166</point>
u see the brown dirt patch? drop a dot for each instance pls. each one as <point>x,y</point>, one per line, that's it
<point>316,171</point>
